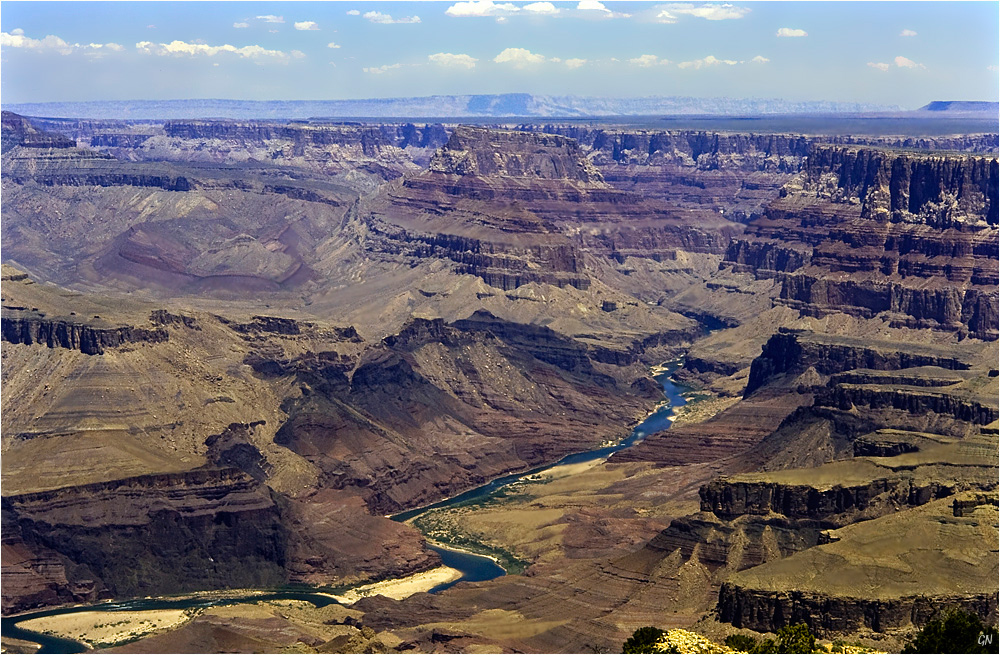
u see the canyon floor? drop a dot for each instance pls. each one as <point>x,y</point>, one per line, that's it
<point>232,349</point>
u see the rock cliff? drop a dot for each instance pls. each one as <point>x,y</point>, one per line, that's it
<point>17,130</point>
<point>149,534</point>
<point>89,338</point>
<point>908,237</point>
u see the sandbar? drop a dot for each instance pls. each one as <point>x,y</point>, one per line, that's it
<point>105,628</point>
<point>400,588</point>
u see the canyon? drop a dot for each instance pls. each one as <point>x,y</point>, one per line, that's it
<point>231,348</point>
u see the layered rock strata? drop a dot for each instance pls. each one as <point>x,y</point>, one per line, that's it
<point>911,238</point>
<point>166,533</point>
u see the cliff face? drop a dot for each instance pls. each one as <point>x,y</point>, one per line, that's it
<point>910,238</point>
<point>938,190</point>
<point>370,138</point>
<point>795,351</point>
<point>732,499</point>
<point>29,327</point>
<point>704,150</point>
<point>767,611</point>
<point>18,131</point>
<point>491,153</point>
<point>167,533</point>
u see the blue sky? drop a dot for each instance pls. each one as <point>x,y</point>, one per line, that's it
<point>901,53</point>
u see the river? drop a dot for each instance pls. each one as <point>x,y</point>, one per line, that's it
<point>474,568</point>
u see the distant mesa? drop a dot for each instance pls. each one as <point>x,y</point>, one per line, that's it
<point>963,106</point>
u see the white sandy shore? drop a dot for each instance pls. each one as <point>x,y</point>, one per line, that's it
<point>105,628</point>
<point>400,588</point>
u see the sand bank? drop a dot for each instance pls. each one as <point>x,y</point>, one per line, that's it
<point>401,587</point>
<point>106,628</point>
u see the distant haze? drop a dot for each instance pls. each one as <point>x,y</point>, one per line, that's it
<point>505,105</point>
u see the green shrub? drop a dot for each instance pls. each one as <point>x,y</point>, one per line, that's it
<point>742,643</point>
<point>765,646</point>
<point>643,640</point>
<point>796,639</point>
<point>958,632</point>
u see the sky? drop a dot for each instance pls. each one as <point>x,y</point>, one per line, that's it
<point>895,53</point>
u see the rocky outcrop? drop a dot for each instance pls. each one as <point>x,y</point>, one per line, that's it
<point>164,317</point>
<point>17,130</point>
<point>767,611</point>
<point>232,448</point>
<point>90,339</point>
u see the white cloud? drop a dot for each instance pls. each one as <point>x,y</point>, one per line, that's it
<point>759,60</point>
<point>519,57</point>
<point>575,63</point>
<point>378,70</point>
<point>306,25</point>
<point>474,8</point>
<point>271,18</point>
<point>297,54</point>
<point>51,43</point>
<point>907,33</point>
<point>386,19</point>
<point>546,8</point>
<point>353,12</point>
<point>707,11</point>
<point>706,62</point>
<point>453,61</point>
<point>879,65</point>
<point>903,62</point>
<point>595,8</point>
<point>645,61</point>
<point>665,17</point>
<point>241,25</point>
<point>182,48</point>
<point>993,68</point>
<point>788,31</point>
<point>331,44</point>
